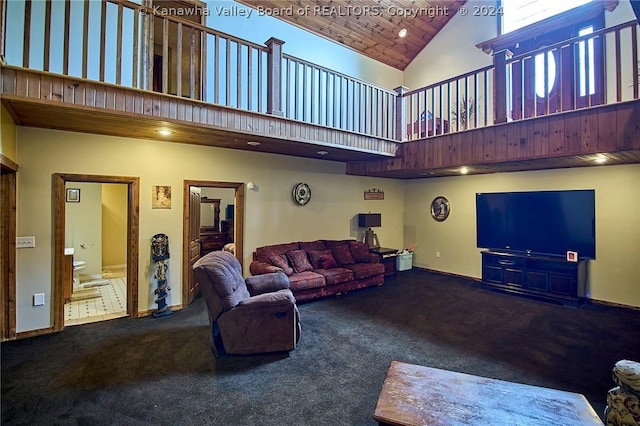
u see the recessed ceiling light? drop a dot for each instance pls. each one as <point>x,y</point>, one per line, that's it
<point>322,152</point>
<point>402,33</point>
<point>164,132</point>
<point>600,158</point>
<point>464,170</point>
<point>253,143</point>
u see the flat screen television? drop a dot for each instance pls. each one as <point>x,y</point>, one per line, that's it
<point>541,222</point>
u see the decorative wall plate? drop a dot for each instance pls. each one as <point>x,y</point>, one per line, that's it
<point>440,208</point>
<point>301,193</point>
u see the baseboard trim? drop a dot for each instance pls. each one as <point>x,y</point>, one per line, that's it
<point>34,333</point>
<point>122,266</point>
<point>613,305</point>
<point>451,274</point>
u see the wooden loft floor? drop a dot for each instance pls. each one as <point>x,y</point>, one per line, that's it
<point>46,100</point>
<point>608,134</point>
<point>571,139</point>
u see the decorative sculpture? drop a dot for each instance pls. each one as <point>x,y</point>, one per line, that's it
<point>160,258</point>
<point>623,401</point>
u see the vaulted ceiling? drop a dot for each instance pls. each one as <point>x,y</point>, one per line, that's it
<point>370,27</point>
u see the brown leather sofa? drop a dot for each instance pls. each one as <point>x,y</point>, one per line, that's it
<point>320,268</point>
<point>249,316</point>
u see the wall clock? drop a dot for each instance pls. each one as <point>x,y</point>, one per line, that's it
<point>301,193</point>
<point>440,208</point>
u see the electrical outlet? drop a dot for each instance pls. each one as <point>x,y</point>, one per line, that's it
<point>38,299</point>
<point>25,242</point>
<point>437,254</point>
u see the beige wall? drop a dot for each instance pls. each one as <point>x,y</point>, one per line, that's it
<point>114,224</point>
<point>613,276</point>
<point>7,135</point>
<point>452,51</point>
<point>270,217</point>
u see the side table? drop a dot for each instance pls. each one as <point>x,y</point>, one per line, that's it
<point>388,259</point>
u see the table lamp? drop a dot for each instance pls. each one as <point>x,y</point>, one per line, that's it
<point>370,220</point>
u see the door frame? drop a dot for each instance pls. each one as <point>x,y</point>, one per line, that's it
<point>238,225</point>
<point>133,238</point>
<point>8,234</point>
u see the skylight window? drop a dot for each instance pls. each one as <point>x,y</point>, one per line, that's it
<point>520,13</point>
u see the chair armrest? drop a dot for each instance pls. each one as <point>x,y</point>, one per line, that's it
<point>266,283</point>
<point>282,297</point>
<point>258,268</point>
<point>374,258</point>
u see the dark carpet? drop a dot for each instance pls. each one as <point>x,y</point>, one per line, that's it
<point>161,372</point>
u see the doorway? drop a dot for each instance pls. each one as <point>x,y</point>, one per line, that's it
<point>8,235</point>
<point>191,228</point>
<point>60,200</point>
<point>96,246</point>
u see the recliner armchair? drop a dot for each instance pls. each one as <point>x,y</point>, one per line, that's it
<point>249,316</point>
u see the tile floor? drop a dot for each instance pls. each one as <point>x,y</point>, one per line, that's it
<point>111,304</point>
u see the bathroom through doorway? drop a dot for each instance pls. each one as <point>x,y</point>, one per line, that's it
<point>78,199</point>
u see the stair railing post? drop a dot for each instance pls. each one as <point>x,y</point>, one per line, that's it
<point>3,28</point>
<point>401,114</point>
<point>146,66</point>
<point>274,76</point>
<point>500,81</point>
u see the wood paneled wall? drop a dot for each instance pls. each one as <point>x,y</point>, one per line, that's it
<point>605,129</point>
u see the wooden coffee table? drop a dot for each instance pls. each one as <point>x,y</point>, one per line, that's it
<point>416,395</point>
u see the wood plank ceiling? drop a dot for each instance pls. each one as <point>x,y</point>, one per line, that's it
<point>370,27</point>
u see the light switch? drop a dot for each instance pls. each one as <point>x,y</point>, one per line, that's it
<point>25,242</point>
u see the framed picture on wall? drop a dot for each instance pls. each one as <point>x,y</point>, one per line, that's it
<point>161,197</point>
<point>73,195</point>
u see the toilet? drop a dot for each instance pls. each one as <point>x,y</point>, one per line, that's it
<point>78,265</point>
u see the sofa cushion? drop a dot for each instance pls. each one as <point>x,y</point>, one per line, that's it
<point>364,270</point>
<point>318,258</point>
<point>336,275</point>
<point>312,246</point>
<point>359,251</point>
<point>299,261</point>
<point>342,255</point>
<point>263,253</point>
<point>280,260</point>
<point>305,280</point>
<point>327,261</point>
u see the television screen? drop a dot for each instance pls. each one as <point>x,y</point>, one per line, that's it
<point>541,222</point>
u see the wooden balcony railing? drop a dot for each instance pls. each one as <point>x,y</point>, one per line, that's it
<point>593,69</point>
<point>318,95</point>
<point>123,43</point>
<point>459,103</point>
<point>578,73</point>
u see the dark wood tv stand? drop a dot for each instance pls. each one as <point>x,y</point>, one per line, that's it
<point>549,278</point>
